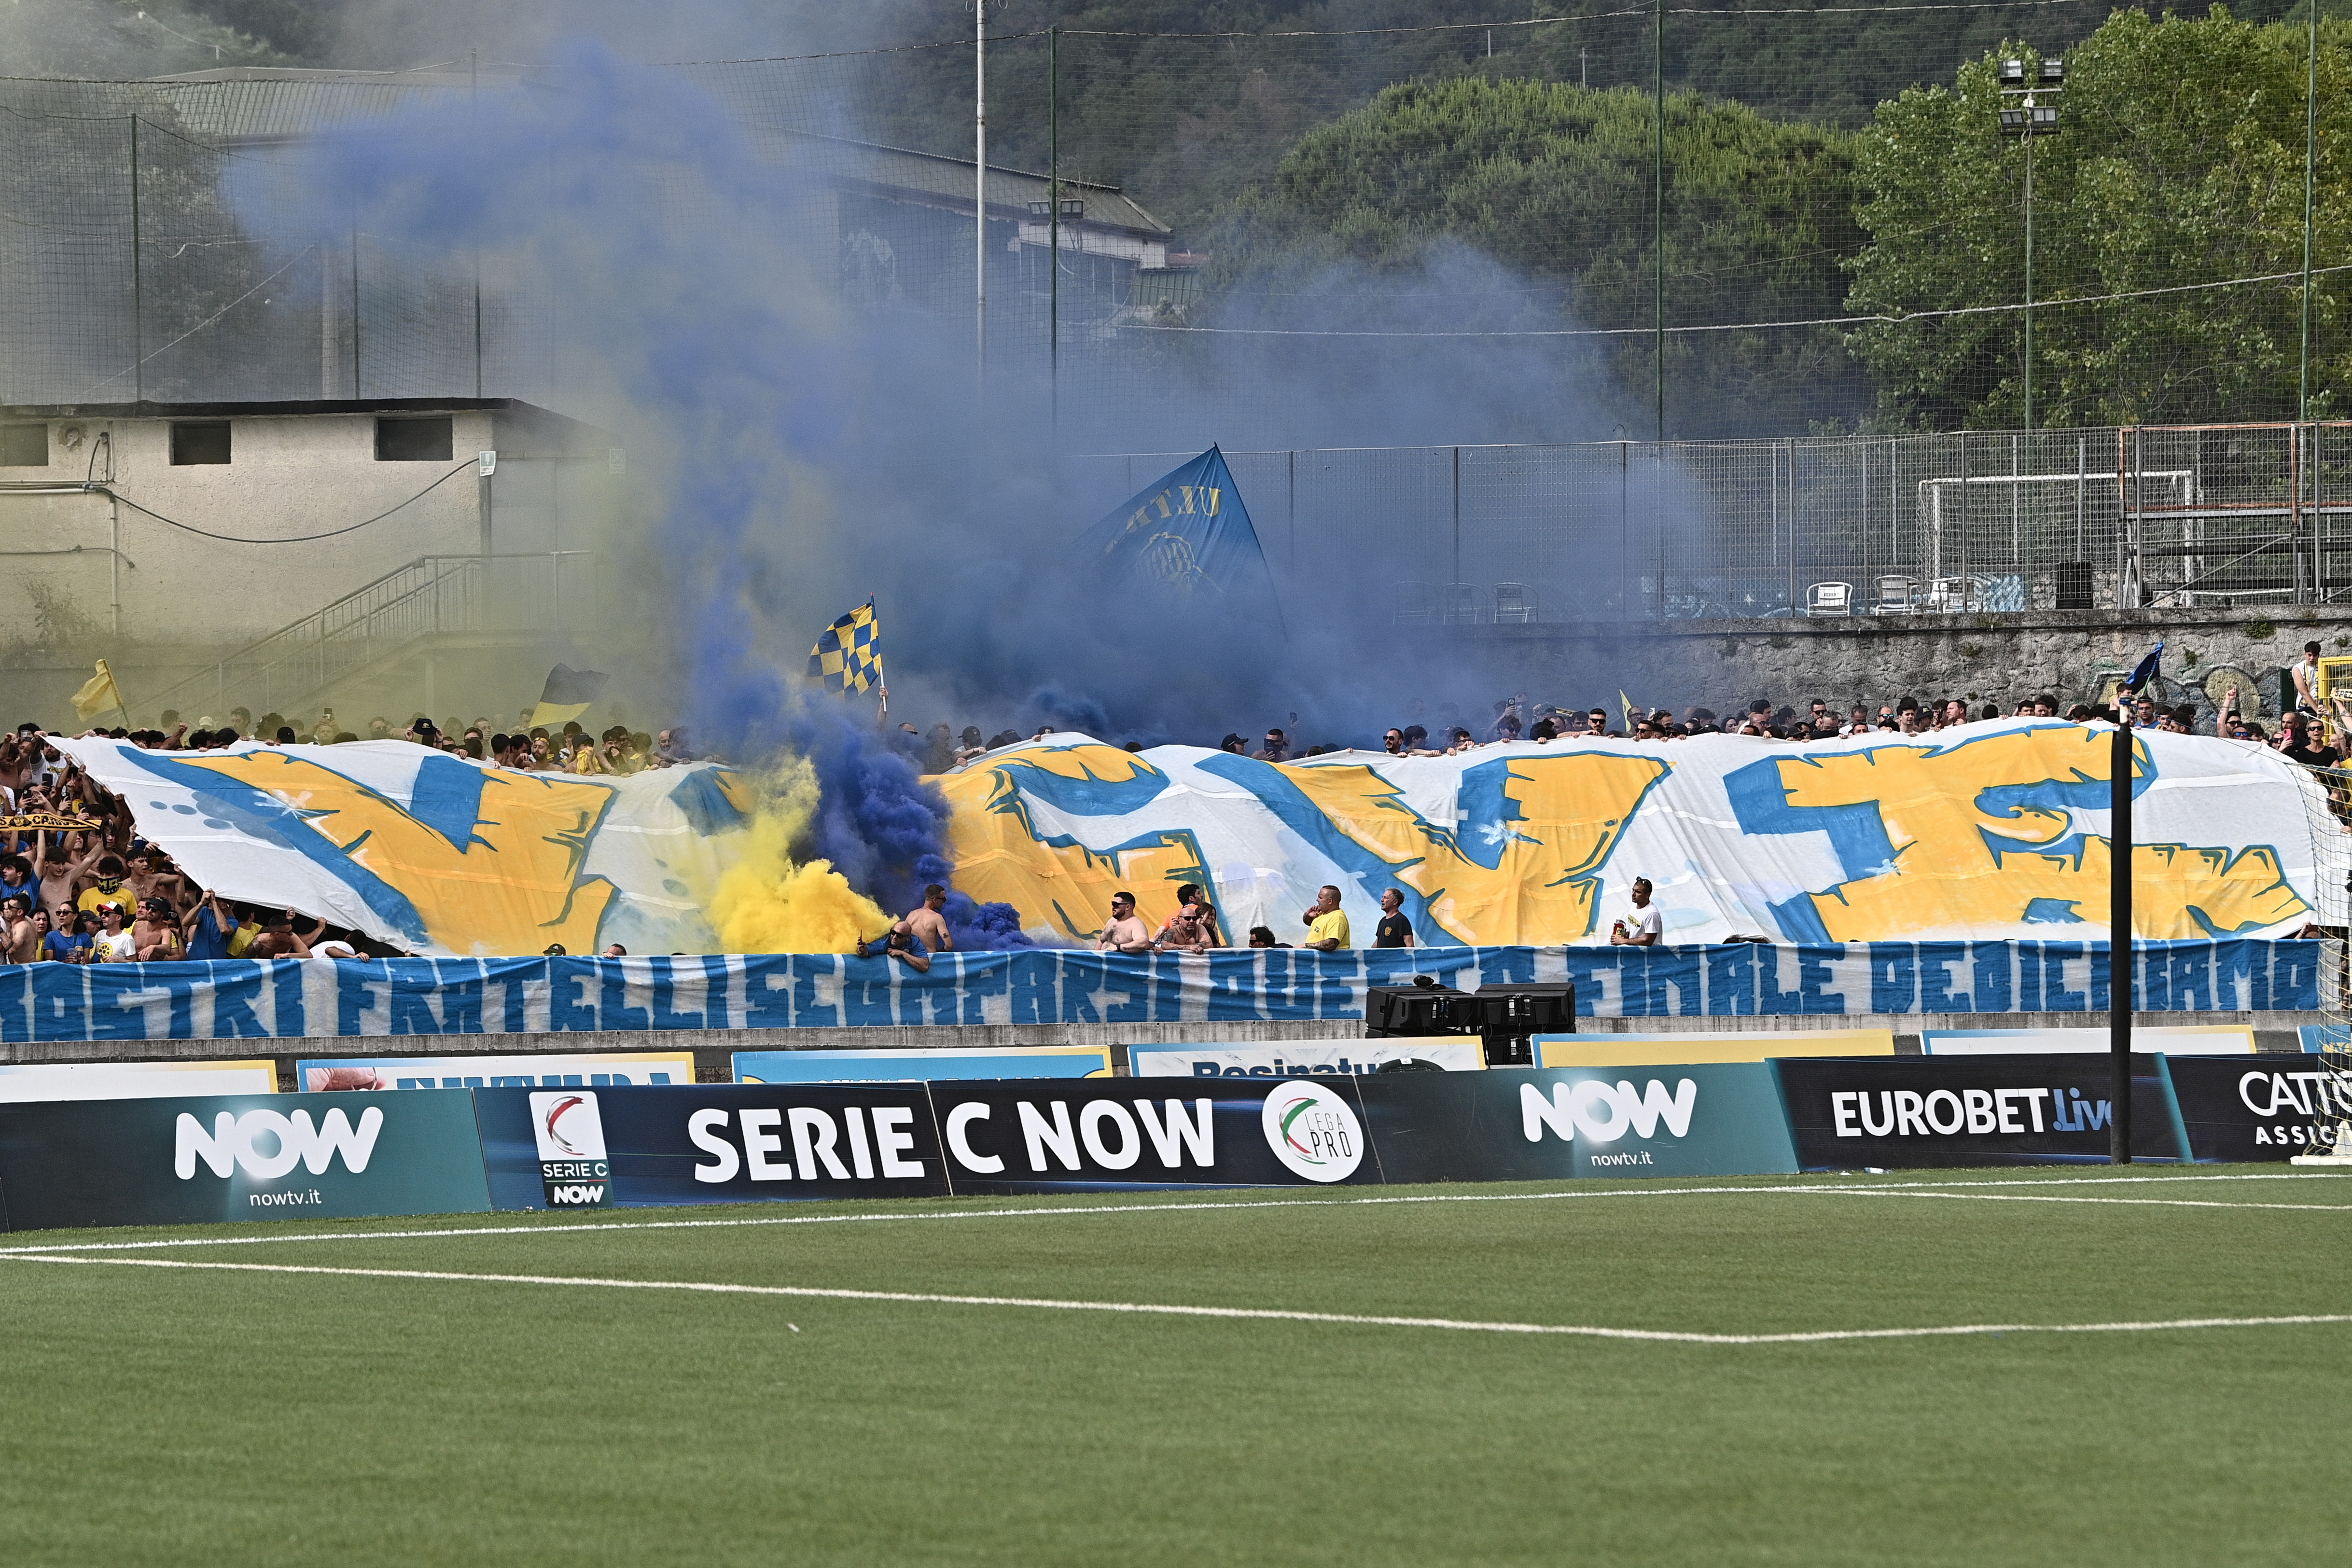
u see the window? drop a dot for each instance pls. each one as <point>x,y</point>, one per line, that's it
<point>205,443</point>
<point>23,446</point>
<point>413,440</point>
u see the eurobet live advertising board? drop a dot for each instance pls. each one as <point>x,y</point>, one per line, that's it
<point>618,1144</point>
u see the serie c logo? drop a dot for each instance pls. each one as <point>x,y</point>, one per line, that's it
<point>1312,1130</point>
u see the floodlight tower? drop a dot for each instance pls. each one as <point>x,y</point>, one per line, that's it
<point>2033,115</point>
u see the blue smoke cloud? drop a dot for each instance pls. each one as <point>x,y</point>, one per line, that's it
<point>788,456</point>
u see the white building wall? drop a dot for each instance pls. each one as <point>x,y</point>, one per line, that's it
<point>289,476</point>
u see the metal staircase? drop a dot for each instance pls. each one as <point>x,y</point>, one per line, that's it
<point>439,598</point>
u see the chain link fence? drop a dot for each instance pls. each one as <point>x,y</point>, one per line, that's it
<point>2109,518</point>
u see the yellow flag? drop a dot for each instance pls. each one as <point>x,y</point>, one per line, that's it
<point>98,694</point>
<point>1626,703</point>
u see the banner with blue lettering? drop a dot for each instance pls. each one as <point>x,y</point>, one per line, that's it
<point>288,998</point>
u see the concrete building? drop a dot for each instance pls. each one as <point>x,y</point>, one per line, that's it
<point>288,545</point>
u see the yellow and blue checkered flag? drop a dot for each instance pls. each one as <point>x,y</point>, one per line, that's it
<point>848,656</point>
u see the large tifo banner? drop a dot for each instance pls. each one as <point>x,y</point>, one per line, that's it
<point>233,999</point>
<point>1994,831</point>
<point>434,854</point>
<point>1997,831</point>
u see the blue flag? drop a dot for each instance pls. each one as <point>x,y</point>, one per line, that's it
<point>1187,533</point>
<point>2146,671</point>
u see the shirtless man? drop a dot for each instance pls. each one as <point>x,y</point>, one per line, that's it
<point>1126,933</point>
<point>156,934</point>
<point>152,876</point>
<point>930,926</point>
<point>61,874</point>
<point>278,939</point>
<point>20,943</point>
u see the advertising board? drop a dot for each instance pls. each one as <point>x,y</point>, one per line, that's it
<point>626,1146</point>
<point>602,1070</point>
<point>2202,1039</point>
<point>1729,1045</point>
<point>1911,1111</point>
<point>2267,1107</point>
<point>1303,1057</point>
<point>237,1157</point>
<point>817,1065</point>
<point>1120,1135</point>
<point>29,1081</point>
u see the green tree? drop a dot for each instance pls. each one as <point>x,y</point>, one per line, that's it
<point>1556,181</point>
<point>2179,164</point>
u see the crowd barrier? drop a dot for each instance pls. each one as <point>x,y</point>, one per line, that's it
<point>456,1150</point>
<point>288,998</point>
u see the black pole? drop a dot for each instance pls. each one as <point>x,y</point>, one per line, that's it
<point>2119,942</point>
<point>1054,225</point>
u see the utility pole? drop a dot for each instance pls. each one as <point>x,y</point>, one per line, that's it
<point>1054,225</point>
<point>138,288</point>
<point>1658,201</point>
<point>2310,179</point>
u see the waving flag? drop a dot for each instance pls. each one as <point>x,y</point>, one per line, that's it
<point>2144,670</point>
<point>1186,534</point>
<point>848,655</point>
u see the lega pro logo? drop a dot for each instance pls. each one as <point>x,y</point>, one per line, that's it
<point>570,1133</point>
<point>1312,1130</point>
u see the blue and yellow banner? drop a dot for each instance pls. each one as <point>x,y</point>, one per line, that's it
<point>1186,535</point>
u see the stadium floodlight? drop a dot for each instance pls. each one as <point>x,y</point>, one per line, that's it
<point>2033,115</point>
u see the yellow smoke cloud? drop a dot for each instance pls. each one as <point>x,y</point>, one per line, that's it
<point>767,903</point>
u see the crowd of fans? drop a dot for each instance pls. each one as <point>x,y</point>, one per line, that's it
<point>77,885</point>
<point>527,747</point>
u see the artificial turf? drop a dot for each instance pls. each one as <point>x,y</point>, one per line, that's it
<point>175,1415</point>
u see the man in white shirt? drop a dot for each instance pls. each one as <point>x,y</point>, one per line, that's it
<point>1642,927</point>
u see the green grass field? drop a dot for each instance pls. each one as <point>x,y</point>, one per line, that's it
<point>249,1404</point>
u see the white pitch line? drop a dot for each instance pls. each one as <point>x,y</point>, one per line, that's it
<point>1272,1315</point>
<point>2139,1202</point>
<point>586,1226</point>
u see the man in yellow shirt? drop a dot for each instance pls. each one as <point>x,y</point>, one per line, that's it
<point>1327,925</point>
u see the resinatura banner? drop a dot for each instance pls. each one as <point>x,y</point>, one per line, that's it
<point>348,1074</point>
<point>238,1157</point>
<point>1911,1111</point>
<point>1306,1057</point>
<point>1993,831</point>
<point>238,999</point>
<point>2266,1107</point>
<point>439,854</point>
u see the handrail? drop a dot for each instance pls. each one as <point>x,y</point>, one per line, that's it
<point>354,629</point>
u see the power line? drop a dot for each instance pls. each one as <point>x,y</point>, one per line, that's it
<point>303,539</point>
<point>1736,326</point>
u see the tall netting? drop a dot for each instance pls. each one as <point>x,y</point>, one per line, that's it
<point>1344,226</point>
<point>2316,1107</point>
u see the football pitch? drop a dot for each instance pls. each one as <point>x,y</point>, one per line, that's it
<point>2078,1366</point>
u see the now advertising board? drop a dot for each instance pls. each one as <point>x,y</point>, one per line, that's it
<point>1535,1125</point>
<point>1906,1111</point>
<point>238,1156</point>
<point>2267,1107</point>
<point>629,1147</point>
